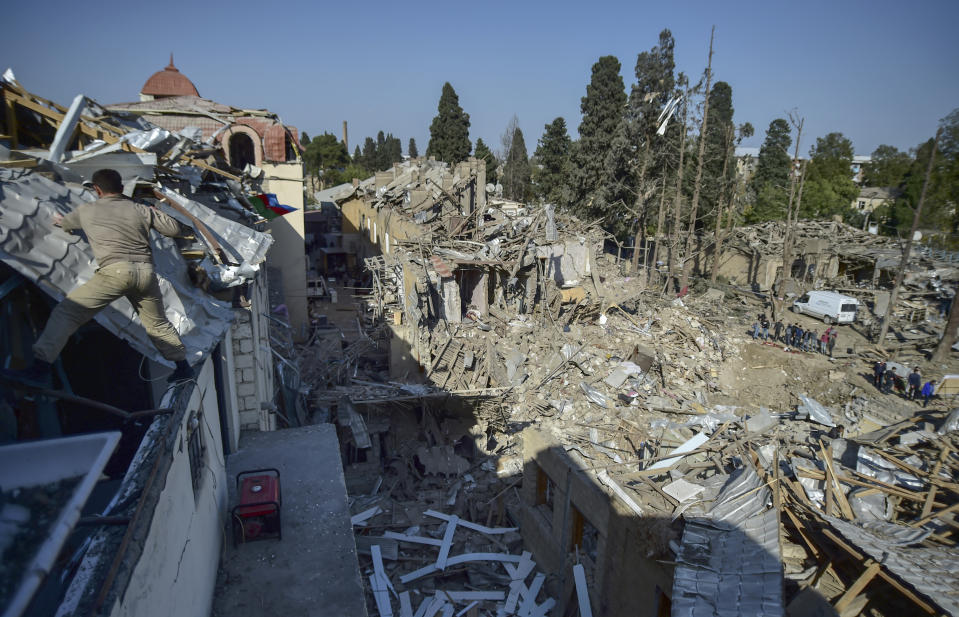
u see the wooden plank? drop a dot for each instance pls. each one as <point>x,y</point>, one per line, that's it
<point>378,570</point>
<point>469,608</point>
<point>838,493</point>
<point>412,539</point>
<point>953,508</point>
<point>447,543</point>
<point>927,506</point>
<point>582,591</point>
<point>853,591</point>
<point>918,472</point>
<point>529,599</point>
<point>381,596</point>
<point>882,574</point>
<point>480,528</point>
<point>406,607</point>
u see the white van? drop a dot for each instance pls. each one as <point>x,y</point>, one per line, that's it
<point>830,306</point>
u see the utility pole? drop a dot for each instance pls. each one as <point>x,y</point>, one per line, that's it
<point>901,272</point>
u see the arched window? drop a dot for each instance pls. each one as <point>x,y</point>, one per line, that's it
<point>241,150</point>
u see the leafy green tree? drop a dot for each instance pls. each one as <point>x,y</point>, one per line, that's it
<point>449,131</point>
<point>325,154</point>
<point>829,187</point>
<point>603,109</point>
<point>888,167</point>
<point>411,149</point>
<point>552,157</point>
<point>516,169</point>
<point>483,153</point>
<point>770,183</point>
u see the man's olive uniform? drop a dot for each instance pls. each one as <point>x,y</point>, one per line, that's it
<point>118,230</point>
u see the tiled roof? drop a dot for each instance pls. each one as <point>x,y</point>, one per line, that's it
<point>57,262</point>
<point>169,82</point>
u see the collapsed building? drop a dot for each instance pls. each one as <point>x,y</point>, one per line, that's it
<point>598,435</point>
<point>140,532</point>
<point>524,428</point>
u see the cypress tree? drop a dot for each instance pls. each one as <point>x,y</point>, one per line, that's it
<point>516,170</point>
<point>552,156</point>
<point>449,131</point>
<point>771,180</point>
<point>483,153</point>
<point>411,149</point>
<point>602,109</point>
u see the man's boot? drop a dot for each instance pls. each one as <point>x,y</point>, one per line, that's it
<point>183,372</point>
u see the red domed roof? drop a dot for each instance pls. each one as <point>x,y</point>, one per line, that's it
<point>169,82</point>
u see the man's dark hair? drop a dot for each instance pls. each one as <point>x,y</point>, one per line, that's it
<point>108,180</point>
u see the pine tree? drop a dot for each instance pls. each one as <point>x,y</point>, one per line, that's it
<point>369,154</point>
<point>449,131</point>
<point>382,156</point>
<point>357,156</point>
<point>304,139</point>
<point>602,109</point>
<point>770,183</point>
<point>483,153</point>
<point>516,170</point>
<point>552,157</point>
<point>411,149</point>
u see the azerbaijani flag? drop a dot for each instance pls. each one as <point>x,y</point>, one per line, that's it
<point>269,207</point>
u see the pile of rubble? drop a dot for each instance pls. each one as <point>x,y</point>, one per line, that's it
<point>719,444</point>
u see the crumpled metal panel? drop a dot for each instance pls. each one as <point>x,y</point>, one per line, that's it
<point>57,262</point>
<point>729,561</point>
<point>239,241</point>
<point>931,571</point>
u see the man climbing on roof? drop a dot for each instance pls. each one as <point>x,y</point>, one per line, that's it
<point>118,230</point>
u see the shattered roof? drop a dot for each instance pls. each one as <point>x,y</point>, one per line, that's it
<point>57,262</point>
<point>932,571</point>
<point>729,561</point>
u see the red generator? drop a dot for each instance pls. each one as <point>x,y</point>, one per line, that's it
<point>257,516</point>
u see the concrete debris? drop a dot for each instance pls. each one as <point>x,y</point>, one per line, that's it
<point>586,384</point>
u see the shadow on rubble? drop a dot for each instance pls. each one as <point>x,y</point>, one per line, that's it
<point>414,461</point>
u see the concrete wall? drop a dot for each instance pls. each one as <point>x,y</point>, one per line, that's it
<point>288,252</point>
<point>625,580</point>
<point>253,361</point>
<point>228,397</point>
<point>177,572</point>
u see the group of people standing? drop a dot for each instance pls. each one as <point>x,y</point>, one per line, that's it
<point>795,336</point>
<point>886,379</point>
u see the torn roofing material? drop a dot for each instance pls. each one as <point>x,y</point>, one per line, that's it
<point>57,262</point>
<point>729,562</point>
<point>242,244</point>
<point>932,571</point>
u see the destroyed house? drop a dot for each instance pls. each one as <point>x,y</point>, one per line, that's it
<point>118,473</point>
<point>565,402</point>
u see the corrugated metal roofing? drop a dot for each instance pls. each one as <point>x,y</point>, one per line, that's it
<point>57,262</point>
<point>729,561</point>
<point>932,571</point>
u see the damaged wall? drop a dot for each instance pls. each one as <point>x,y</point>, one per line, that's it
<point>625,544</point>
<point>253,362</point>
<point>288,253</point>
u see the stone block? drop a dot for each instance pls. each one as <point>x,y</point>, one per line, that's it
<point>248,375</point>
<point>243,361</point>
<point>245,389</point>
<point>246,345</point>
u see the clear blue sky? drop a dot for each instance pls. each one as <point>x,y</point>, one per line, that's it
<point>879,72</point>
